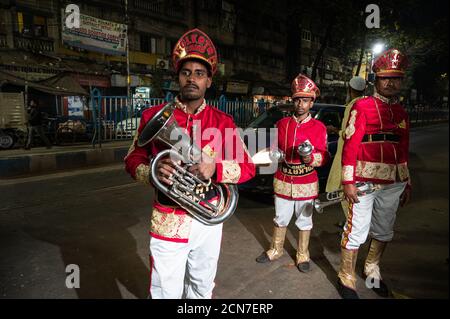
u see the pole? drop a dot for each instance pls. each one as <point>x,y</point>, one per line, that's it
<point>368,63</point>
<point>26,106</point>
<point>127,53</point>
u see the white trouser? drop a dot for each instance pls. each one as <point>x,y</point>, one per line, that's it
<point>375,213</point>
<point>285,208</point>
<point>190,266</point>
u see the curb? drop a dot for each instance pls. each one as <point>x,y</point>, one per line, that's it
<point>15,166</point>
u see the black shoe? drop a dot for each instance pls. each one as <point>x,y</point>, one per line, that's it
<point>345,292</point>
<point>304,267</point>
<point>382,291</point>
<point>263,258</point>
<point>379,287</point>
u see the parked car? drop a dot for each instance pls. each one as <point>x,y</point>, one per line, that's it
<point>329,114</point>
<point>13,120</point>
<point>11,137</point>
<point>127,128</point>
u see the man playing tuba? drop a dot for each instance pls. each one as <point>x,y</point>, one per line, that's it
<point>183,251</point>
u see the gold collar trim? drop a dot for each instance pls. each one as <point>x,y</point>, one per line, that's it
<point>393,100</point>
<point>307,119</point>
<point>183,107</point>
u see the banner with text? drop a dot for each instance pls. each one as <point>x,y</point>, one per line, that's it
<point>95,35</point>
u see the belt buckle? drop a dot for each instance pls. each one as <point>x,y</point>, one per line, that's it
<point>370,138</point>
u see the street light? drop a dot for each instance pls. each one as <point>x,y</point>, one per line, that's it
<point>376,49</point>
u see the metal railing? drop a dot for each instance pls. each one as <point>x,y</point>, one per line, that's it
<point>121,119</point>
<point>242,111</point>
<point>126,117</point>
<point>422,116</point>
<point>28,43</point>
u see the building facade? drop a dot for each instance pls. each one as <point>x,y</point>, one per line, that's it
<point>251,38</point>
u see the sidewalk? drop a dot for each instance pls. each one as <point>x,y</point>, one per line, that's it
<point>39,160</point>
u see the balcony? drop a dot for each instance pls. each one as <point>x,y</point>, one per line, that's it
<point>159,8</point>
<point>176,12</point>
<point>34,44</point>
<point>149,6</point>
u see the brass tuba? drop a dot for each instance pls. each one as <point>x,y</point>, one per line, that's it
<point>164,128</point>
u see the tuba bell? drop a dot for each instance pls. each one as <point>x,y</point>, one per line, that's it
<point>183,191</point>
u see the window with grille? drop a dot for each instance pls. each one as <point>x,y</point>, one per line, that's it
<point>32,25</point>
<point>148,43</point>
<point>306,35</point>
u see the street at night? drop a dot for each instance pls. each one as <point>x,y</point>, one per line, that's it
<point>247,154</point>
<point>99,218</point>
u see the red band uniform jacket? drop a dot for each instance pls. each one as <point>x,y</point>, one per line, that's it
<point>297,180</point>
<point>233,163</point>
<point>380,161</point>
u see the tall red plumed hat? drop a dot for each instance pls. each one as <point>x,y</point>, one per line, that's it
<point>391,63</point>
<point>302,86</point>
<point>195,44</point>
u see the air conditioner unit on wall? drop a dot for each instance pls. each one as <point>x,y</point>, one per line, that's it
<point>162,64</point>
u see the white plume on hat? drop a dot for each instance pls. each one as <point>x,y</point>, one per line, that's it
<point>357,83</point>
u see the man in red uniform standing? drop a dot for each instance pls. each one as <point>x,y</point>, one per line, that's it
<point>296,181</point>
<point>376,151</point>
<point>183,251</point>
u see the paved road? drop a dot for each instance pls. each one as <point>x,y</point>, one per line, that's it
<point>98,219</point>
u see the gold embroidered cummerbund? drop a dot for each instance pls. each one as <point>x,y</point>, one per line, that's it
<point>296,169</point>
